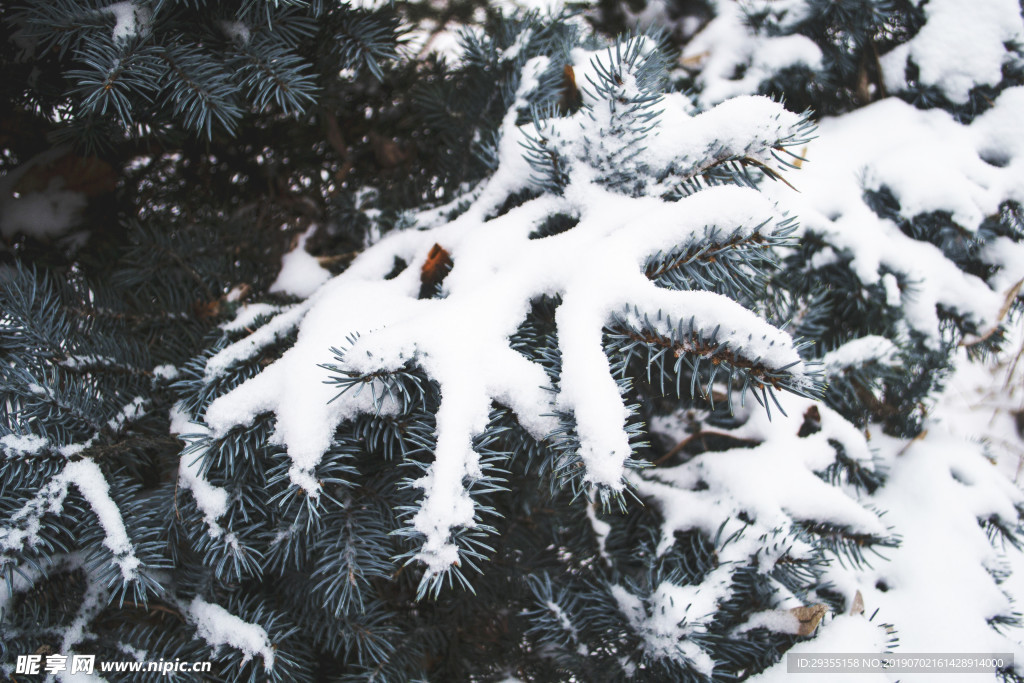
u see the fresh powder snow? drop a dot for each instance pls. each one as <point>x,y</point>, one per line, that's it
<point>461,340</point>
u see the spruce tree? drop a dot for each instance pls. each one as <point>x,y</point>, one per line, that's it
<point>839,56</point>
<point>573,390</point>
<point>481,415</point>
<point>910,228</point>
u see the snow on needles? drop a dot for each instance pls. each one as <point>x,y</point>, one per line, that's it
<point>462,339</point>
<point>301,274</point>
<point>725,47</point>
<point>871,348</point>
<point>218,627</point>
<point>961,45</point>
<point>891,145</point>
<point>130,19</point>
<point>773,484</point>
<point>211,500</point>
<point>46,213</point>
<point>87,477</point>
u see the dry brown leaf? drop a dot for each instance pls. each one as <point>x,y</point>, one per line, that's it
<point>435,268</point>
<point>809,617</point>
<point>206,309</point>
<point>571,99</point>
<point>799,161</point>
<point>694,60</point>
<point>388,153</point>
<point>858,604</point>
<point>89,175</point>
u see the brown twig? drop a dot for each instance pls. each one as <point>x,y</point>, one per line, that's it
<point>157,608</point>
<point>919,437</point>
<point>682,444</point>
<point>1007,303</point>
<point>332,131</point>
<point>336,258</point>
<point>882,94</point>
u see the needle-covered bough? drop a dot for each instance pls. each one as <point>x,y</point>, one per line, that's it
<point>490,378</point>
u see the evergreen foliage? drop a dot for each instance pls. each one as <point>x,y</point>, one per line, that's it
<point>588,590</point>
<point>828,57</point>
<point>851,37</point>
<point>582,401</point>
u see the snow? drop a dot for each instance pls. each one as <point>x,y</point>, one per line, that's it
<point>132,410</point>
<point>872,348</point>
<point>44,214</point>
<point>774,483</point>
<point>25,444</point>
<point>247,314</point>
<point>135,653</point>
<point>939,485</point>
<point>236,30</point>
<point>211,500</point>
<point>735,128</point>
<point>461,340</point>
<point>427,37</point>
<point>674,614</point>
<point>893,294</point>
<point>937,597</point>
<point>301,274</point>
<point>280,325</point>
<point>24,577</point>
<point>90,482</point>
<point>166,372</point>
<point>1009,256</point>
<point>937,588</point>
<point>725,46</point>
<point>93,601</point>
<point>181,421</point>
<point>679,141</point>
<point>520,43</point>
<point>960,46</point>
<point>892,144</point>
<point>774,486</point>
<point>78,361</point>
<point>130,19</point>
<point>218,627</point>
<point>601,530</point>
<point>563,620</point>
<point>843,633</point>
<point>87,477</point>
<point>777,621</point>
<point>981,401</point>
<point>543,6</point>
<point>12,538</point>
<point>49,213</point>
<point>997,133</point>
<point>73,449</point>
